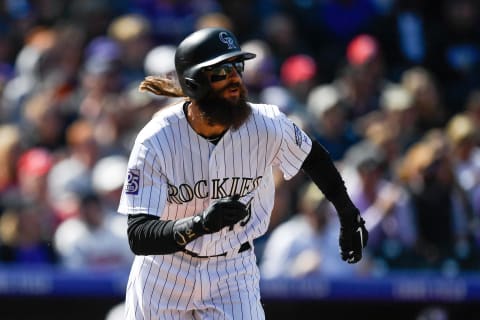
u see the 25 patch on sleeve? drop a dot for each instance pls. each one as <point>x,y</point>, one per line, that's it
<point>133,181</point>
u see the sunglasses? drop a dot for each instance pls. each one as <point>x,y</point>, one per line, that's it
<point>221,71</point>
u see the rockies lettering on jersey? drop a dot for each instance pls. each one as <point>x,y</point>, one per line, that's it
<point>220,189</point>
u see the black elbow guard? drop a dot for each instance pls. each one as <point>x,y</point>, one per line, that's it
<point>148,235</point>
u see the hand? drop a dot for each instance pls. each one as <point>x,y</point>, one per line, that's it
<point>353,237</point>
<point>225,212</point>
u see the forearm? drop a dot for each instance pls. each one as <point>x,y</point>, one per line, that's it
<point>148,235</point>
<point>320,168</point>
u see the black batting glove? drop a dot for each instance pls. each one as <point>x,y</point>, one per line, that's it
<point>353,236</point>
<point>224,213</point>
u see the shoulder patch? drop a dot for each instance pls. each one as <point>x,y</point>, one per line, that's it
<point>298,135</point>
<point>133,181</point>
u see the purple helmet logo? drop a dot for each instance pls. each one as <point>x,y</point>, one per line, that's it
<point>227,39</point>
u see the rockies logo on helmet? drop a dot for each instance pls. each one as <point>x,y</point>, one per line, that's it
<point>227,39</point>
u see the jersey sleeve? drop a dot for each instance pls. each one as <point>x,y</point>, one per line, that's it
<point>294,147</point>
<point>145,188</point>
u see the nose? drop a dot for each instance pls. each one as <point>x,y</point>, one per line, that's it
<point>234,74</point>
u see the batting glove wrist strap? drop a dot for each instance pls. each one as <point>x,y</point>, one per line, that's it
<point>353,236</point>
<point>188,229</point>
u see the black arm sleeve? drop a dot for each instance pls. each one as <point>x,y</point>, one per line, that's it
<point>148,235</point>
<point>320,168</point>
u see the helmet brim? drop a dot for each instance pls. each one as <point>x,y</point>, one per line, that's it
<point>241,54</point>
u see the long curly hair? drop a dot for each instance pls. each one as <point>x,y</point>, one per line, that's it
<point>162,85</point>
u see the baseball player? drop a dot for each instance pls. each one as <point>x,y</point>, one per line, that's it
<point>199,188</point>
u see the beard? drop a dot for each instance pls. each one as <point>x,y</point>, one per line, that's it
<point>217,110</point>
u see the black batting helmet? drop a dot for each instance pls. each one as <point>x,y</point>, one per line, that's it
<point>203,48</point>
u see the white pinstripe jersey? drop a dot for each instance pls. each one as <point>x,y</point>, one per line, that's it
<point>175,173</point>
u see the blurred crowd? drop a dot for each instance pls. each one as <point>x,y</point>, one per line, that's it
<point>389,87</point>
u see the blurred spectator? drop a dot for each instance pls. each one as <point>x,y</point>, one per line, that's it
<point>23,237</point>
<point>124,120</point>
<point>47,64</point>
<point>108,176</point>
<point>134,35</point>
<point>59,65</point>
<point>160,60</point>
<point>43,124</point>
<point>260,72</point>
<point>88,241</point>
<point>298,74</point>
<point>284,199</point>
<point>400,115</point>
<point>307,243</point>
<point>384,137</point>
<point>121,114</point>
<point>6,74</point>
<point>94,15</point>
<point>72,174</point>
<point>472,110</point>
<point>329,121</point>
<point>101,80</point>
<point>30,68</point>
<point>384,205</point>
<point>440,210</point>
<point>473,113</point>
<point>279,95</point>
<point>33,167</point>
<point>214,19</point>
<point>66,57</point>
<point>392,127</point>
<point>281,34</point>
<point>10,149</point>
<point>362,79</point>
<point>427,102</point>
<point>465,151</point>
